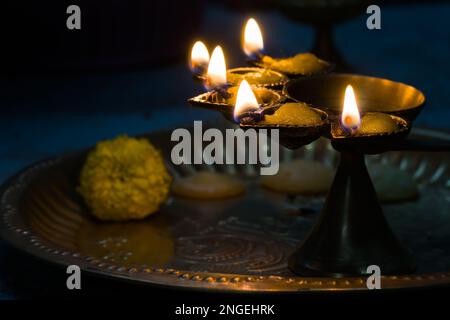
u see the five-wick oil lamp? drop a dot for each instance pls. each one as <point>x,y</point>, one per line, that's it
<point>199,59</point>
<point>351,232</point>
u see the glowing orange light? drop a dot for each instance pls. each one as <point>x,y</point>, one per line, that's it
<point>253,40</point>
<point>350,117</point>
<point>245,100</point>
<point>217,70</point>
<point>199,55</point>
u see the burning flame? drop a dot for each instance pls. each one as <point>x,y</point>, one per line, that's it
<point>245,100</point>
<point>350,117</point>
<point>199,55</point>
<point>217,70</point>
<point>253,40</point>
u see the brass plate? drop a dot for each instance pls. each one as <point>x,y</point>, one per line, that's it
<point>240,244</point>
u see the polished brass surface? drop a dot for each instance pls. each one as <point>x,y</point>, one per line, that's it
<point>339,133</point>
<point>369,144</point>
<point>372,94</point>
<point>215,102</point>
<point>239,244</point>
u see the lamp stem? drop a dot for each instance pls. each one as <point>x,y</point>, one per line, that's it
<point>351,233</point>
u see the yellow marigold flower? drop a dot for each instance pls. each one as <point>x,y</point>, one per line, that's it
<point>124,178</point>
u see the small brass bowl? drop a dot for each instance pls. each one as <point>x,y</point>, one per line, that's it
<point>278,80</point>
<point>216,101</point>
<point>293,136</point>
<point>369,143</point>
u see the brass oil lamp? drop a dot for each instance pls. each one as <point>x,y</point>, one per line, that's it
<point>351,232</point>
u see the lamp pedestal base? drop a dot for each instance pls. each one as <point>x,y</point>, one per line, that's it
<point>351,233</point>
